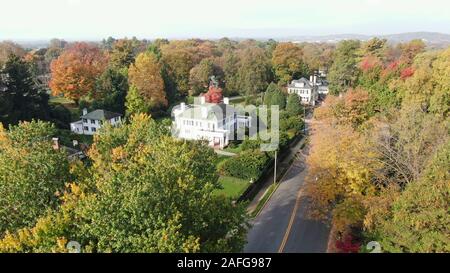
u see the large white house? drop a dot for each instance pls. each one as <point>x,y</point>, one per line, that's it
<point>307,90</point>
<point>213,122</point>
<point>93,121</point>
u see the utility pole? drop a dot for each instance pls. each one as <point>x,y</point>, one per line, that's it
<point>275,169</point>
<point>304,120</point>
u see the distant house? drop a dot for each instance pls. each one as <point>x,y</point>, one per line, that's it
<point>91,122</point>
<point>213,122</point>
<point>72,153</point>
<point>307,90</point>
<point>322,87</point>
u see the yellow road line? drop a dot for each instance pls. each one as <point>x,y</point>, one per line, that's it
<point>291,222</point>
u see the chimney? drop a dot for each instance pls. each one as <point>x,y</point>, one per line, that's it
<point>183,106</point>
<point>311,78</point>
<point>55,143</point>
<point>85,111</point>
<point>315,79</point>
<point>204,111</point>
<point>202,100</point>
<point>226,100</point>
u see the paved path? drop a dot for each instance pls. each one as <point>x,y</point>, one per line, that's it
<point>222,152</point>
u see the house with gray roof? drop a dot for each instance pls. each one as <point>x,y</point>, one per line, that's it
<point>306,89</point>
<point>91,122</point>
<point>213,122</point>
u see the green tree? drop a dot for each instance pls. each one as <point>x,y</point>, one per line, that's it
<point>254,71</point>
<point>344,71</point>
<point>417,219</point>
<point>135,103</point>
<point>275,96</point>
<point>374,47</point>
<point>145,192</point>
<point>293,105</point>
<point>111,91</point>
<point>20,98</point>
<point>180,57</point>
<point>32,174</point>
<point>230,63</point>
<point>287,62</point>
<point>200,74</point>
<point>122,54</point>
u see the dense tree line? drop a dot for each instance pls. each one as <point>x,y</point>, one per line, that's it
<point>379,151</point>
<point>160,73</point>
<point>378,162</point>
<point>143,191</point>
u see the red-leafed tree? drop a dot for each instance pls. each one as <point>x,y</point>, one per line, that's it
<point>75,71</point>
<point>214,94</point>
<point>348,245</point>
<point>407,72</point>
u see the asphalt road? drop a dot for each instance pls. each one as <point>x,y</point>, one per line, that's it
<point>283,224</point>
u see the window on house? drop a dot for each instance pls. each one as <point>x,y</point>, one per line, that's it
<point>86,128</point>
<point>93,129</point>
<point>92,121</point>
<point>85,120</point>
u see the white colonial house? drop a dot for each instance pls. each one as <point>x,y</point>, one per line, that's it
<point>93,121</point>
<point>213,122</point>
<point>306,89</point>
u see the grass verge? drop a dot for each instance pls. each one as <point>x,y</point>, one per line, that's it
<point>264,200</point>
<point>232,187</point>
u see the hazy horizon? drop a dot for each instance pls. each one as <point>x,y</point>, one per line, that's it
<point>98,19</point>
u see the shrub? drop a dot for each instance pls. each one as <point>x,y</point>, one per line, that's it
<point>248,165</point>
<point>294,123</point>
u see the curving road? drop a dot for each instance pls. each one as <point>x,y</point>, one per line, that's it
<point>283,225</point>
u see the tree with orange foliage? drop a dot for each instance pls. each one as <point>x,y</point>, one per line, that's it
<point>75,71</point>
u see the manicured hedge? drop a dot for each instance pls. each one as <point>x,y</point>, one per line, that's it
<point>247,165</point>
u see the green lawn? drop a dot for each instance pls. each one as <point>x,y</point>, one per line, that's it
<point>219,159</point>
<point>236,149</point>
<point>232,187</point>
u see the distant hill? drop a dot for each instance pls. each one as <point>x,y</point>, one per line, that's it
<point>434,39</point>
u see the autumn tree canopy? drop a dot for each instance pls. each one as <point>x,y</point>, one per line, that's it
<point>287,61</point>
<point>144,192</point>
<point>32,174</point>
<point>145,76</point>
<point>75,71</point>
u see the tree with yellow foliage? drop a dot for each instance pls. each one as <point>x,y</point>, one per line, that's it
<point>145,192</point>
<point>32,174</point>
<point>145,76</point>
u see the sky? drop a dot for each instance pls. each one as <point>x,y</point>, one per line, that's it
<point>97,19</point>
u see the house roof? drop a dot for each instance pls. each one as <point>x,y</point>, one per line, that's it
<point>100,114</point>
<point>214,111</point>
<point>306,82</point>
